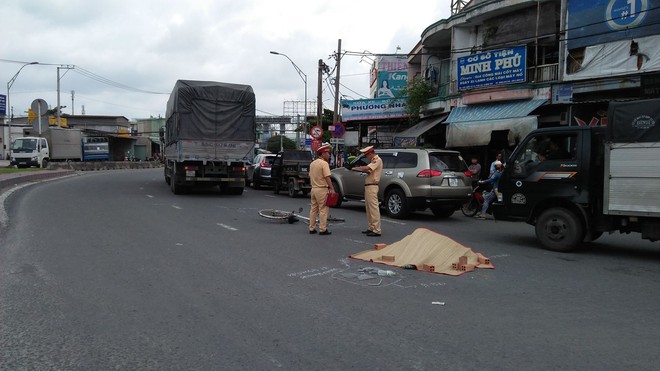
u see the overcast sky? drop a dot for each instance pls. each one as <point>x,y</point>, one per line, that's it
<point>146,45</point>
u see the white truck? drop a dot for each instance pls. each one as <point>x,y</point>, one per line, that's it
<point>54,144</point>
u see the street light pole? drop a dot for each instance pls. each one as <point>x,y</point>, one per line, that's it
<point>303,76</point>
<point>9,85</point>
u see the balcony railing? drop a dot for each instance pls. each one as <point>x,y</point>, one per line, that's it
<point>543,73</point>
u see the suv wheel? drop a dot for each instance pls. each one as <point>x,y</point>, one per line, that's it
<point>396,204</point>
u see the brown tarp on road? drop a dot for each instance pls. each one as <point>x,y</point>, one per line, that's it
<point>429,251</point>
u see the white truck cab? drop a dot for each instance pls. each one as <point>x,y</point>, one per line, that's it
<point>30,151</point>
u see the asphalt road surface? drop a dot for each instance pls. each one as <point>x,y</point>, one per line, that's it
<point>110,270</point>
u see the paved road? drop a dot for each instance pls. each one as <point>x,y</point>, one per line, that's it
<point>110,270</point>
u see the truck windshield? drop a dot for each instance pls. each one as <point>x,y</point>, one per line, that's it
<point>554,147</point>
<point>25,144</point>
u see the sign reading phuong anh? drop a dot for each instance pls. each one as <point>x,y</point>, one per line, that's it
<point>371,109</point>
<point>495,67</point>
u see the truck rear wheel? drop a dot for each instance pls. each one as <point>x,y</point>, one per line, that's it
<point>177,189</point>
<point>559,230</point>
<point>292,188</point>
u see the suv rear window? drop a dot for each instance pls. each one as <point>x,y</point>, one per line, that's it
<point>446,162</point>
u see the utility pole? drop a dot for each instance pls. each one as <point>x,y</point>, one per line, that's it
<point>73,93</point>
<point>319,96</point>
<point>335,116</point>
<point>58,91</point>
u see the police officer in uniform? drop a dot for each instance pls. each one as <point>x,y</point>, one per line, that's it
<point>319,176</point>
<point>374,171</point>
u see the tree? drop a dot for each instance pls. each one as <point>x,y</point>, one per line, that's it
<point>273,144</point>
<point>419,92</point>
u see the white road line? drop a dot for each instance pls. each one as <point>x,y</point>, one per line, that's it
<point>393,221</point>
<point>150,196</point>
<point>226,226</point>
<point>177,207</point>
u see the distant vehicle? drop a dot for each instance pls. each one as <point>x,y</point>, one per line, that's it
<point>209,133</point>
<point>575,183</point>
<point>95,149</point>
<point>258,171</point>
<point>290,172</point>
<point>54,144</point>
<point>412,179</point>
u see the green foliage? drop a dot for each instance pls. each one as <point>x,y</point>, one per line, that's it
<point>273,144</point>
<point>419,93</point>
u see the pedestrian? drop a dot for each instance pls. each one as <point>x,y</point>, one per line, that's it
<point>475,171</point>
<point>319,176</point>
<point>495,182</point>
<point>374,169</point>
<point>498,158</point>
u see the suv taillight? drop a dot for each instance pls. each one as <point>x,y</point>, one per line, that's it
<point>190,168</point>
<point>429,173</point>
<point>468,174</point>
<point>264,164</point>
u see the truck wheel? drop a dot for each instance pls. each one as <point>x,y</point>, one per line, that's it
<point>44,163</point>
<point>167,178</point>
<point>292,189</point>
<point>177,189</point>
<point>396,204</point>
<point>559,230</point>
<point>340,199</point>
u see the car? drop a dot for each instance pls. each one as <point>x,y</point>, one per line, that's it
<point>413,179</point>
<point>257,172</point>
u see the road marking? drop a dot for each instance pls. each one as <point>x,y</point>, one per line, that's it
<point>393,221</point>
<point>226,226</point>
<point>150,196</point>
<point>177,207</point>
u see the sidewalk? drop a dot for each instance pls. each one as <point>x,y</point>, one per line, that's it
<point>14,179</point>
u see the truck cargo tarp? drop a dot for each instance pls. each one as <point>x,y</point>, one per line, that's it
<point>212,110</point>
<point>637,121</point>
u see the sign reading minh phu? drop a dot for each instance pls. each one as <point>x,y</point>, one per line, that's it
<point>494,67</point>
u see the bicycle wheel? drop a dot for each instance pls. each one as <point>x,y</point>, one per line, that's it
<point>470,208</point>
<point>275,214</point>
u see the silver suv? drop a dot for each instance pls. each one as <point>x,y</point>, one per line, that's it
<point>412,179</point>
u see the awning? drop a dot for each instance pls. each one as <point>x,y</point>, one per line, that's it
<point>408,137</point>
<point>468,134</point>
<point>422,127</point>
<point>473,125</point>
<point>494,111</point>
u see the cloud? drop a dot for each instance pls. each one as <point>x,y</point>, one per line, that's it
<point>149,44</point>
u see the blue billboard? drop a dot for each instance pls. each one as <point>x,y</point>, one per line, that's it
<point>373,109</point>
<point>494,67</point>
<point>3,105</point>
<point>601,21</point>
